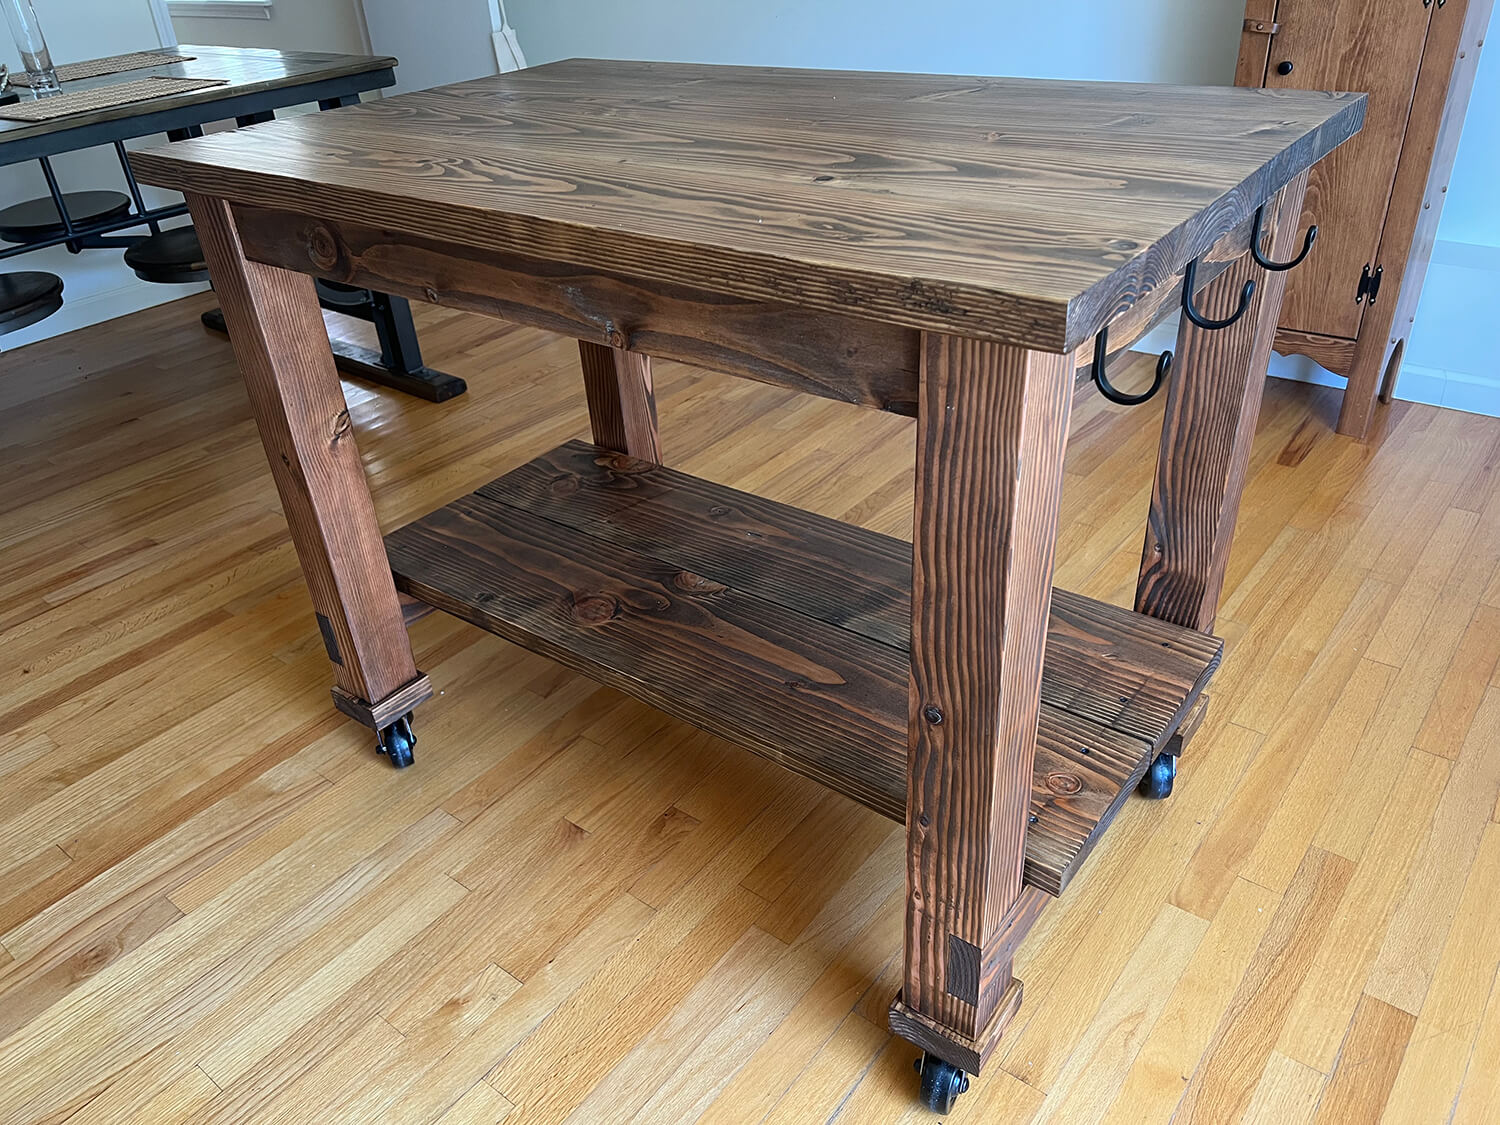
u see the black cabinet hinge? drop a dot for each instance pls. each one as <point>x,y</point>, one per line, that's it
<point>1369,285</point>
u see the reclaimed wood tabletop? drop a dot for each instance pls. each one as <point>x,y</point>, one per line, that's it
<point>1018,210</point>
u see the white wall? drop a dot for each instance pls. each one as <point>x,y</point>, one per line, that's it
<point>1450,357</point>
<point>437,41</point>
<point>96,284</point>
<point>335,26</point>
<point>1192,41</point>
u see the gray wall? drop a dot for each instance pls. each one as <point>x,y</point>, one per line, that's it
<point>1192,41</point>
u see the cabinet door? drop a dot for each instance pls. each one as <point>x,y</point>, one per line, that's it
<point>1374,46</point>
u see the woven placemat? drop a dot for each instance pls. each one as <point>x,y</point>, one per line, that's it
<point>114,64</point>
<point>120,93</point>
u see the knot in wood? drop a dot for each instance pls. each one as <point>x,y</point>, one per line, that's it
<point>691,583</point>
<point>1064,784</point>
<point>594,609</point>
<point>342,427</point>
<point>933,715</point>
<point>322,246</point>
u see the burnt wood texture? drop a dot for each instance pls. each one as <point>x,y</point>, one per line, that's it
<point>622,405</point>
<point>992,429</point>
<point>1212,407</point>
<point>1061,202</point>
<point>785,632</point>
<point>282,349</point>
<point>940,246</point>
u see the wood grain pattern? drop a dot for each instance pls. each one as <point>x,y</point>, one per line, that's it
<point>173,733</point>
<point>1434,125</point>
<point>1372,45</point>
<point>1255,42</point>
<point>1381,197</point>
<point>821,353</point>
<point>990,441</point>
<point>299,407</point>
<point>1212,406</point>
<point>682,561</point>
<point>622,404</point>
<point>831,208</point>
<point>1333,353</point>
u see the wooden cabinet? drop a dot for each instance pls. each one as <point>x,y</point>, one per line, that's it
<point>1376,201</point>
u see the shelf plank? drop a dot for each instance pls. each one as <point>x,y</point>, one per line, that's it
<point>783,631</point>
<point>1121,669</point>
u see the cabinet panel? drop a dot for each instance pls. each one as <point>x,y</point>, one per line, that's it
<point>1374,46</point>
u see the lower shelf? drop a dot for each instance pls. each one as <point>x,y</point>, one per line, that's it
<point>783,631</point>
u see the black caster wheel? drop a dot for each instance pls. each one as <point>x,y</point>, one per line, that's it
<point>942,1082</point>
<point>1157,784</point>
<point>397,742</point>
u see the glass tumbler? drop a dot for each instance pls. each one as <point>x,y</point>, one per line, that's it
<point>27,32</point>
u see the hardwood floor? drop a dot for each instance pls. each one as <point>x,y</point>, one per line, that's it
<point>218,904</point>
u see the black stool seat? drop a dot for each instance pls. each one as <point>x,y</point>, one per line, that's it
<point>172,257</point>
<point>337,295</point>
<point>37,219</point>
<point>26,298</point>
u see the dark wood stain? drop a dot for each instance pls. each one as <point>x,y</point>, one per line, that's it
<point>1062,203</point>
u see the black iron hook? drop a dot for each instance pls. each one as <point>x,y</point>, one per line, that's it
<point>1279,267</point>
<point>1107,389</point>
<point>1189,277</point>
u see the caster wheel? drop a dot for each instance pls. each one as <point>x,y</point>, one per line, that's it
<point>942,1082</point>
<point>397,741</point>
<point>1157,784</point>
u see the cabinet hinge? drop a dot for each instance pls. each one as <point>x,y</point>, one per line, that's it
<point>1369,285</point>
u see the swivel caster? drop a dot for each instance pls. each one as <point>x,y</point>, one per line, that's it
<point>942,1082</point>
<point>397,742</point>
<point>1157,783</point>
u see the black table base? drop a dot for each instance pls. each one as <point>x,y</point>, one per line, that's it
<point>398,364</point>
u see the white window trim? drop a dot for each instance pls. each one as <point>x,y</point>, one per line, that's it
<point>233,9</point>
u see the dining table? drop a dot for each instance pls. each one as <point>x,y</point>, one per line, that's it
<point>972,252</point>
<point>206,85</point>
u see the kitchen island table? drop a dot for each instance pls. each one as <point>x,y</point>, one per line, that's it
<point>951,248</point>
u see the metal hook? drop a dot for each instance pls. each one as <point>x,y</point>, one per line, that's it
<point>1279,267</point>
<point>1107,389</point>
<point>1189,277</point>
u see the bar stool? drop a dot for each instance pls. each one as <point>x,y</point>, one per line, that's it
<point>26,298</point>
<point>171,257</point>
<point>37,220</point>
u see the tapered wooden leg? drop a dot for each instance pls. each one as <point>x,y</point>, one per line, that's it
<point>622,405</point>
<point>283,353</point>
<point>992,429</point>
<point>1212,407</point>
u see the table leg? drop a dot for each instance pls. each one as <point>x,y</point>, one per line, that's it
<point>991,433</point>
<point>282,349</point>
<point>1212,407</point>
<point>398,364</point>
<point>622,403</point>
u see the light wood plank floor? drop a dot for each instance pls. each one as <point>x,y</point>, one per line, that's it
<point>217,904</point>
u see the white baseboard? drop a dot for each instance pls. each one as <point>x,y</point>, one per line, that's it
<point>1469,391</point>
